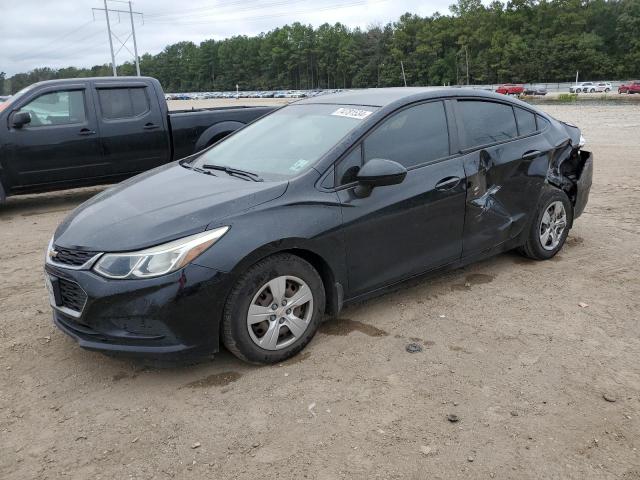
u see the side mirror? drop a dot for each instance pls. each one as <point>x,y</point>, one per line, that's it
<point>19,119</point>
<point>378,172</point>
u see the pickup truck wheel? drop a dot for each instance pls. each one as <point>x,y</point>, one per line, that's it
<point>550,226</point>
<point>274,309</point>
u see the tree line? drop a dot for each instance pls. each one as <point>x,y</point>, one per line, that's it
<point>518,41</point>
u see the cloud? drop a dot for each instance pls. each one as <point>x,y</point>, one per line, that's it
<point>39,33</point>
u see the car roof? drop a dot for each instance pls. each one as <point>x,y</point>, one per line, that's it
<point>380,97</point>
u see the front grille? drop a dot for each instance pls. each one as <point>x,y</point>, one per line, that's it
<point>72,295</point>
<point>75,258</point>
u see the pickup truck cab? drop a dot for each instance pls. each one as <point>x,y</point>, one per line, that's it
<point>77,132</point>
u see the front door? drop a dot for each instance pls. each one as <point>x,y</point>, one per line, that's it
<point>402,230</point>
<point>61,143</point>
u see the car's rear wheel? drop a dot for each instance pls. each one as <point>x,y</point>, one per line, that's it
<point>274,309</point>
<point>550,226</point>
<point>593,90</point>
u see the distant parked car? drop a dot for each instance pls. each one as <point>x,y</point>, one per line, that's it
<point>510,89</point>
<point>535,91</point>
<point>631,87</point>
<point>583,87</point>
<point>603,87</point>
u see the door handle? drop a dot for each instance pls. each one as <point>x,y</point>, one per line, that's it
<point>150,126</point>
<point>448,183</point>
<point>86,131</point>
<point>531,154</point>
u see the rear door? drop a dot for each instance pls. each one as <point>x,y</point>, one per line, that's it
<point>60,144</point>
<point>134,137</point>
<point>402,230</point>
<point>505,161</point>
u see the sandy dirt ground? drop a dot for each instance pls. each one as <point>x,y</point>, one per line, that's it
<point>506,347</point>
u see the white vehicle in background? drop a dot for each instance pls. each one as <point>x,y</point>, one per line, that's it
<point>603,87</point>
<point>590,87</point>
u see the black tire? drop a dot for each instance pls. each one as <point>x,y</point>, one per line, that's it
<point>593,90</point>
<point>533,246</point>
<point>235,333</point>
<point>578,90</point>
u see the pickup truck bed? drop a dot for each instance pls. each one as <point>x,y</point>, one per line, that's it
<point>77,132</point>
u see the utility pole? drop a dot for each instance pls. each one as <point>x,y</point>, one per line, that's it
<point>466,55</point>
<point>123,44</point>
<point>113,57</point>
<point>403,76</point>
<point>135,44</point>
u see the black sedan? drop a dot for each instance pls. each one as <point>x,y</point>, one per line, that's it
<point>321,203</point>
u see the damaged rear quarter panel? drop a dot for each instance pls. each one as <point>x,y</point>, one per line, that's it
<point>572,168</point>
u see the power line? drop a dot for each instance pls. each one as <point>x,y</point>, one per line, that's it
<point>338,6</point>
<point>57,39</point>
<point>198,12</point>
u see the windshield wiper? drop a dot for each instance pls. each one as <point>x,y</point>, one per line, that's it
<point>234,171</point>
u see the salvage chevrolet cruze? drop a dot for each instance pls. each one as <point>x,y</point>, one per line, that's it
<point>319,204</point>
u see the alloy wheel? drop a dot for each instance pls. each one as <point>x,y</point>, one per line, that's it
<point>552,225</point>
<point>280,312</point>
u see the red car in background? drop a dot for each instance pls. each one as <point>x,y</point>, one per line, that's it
<point>633,87</point>
<point>510,89</point>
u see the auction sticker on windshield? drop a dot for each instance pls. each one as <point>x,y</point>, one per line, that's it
<point>352,113</point>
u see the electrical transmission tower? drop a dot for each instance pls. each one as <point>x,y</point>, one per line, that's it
<point>132,34</point>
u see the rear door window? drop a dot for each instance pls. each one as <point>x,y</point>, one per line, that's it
<point>411,137</point>
<point>526,121</point>
<point>486,123</point>
<point>118,103</point>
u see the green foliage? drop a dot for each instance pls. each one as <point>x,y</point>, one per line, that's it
<point>568,97</point>
<point>518,41</point>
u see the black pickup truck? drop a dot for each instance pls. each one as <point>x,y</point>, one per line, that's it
<point>86,131</point>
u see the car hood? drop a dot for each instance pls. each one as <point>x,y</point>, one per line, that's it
<point>159,206</point>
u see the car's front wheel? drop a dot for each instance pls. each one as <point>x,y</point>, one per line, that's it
<point>550,226</point>
<point>273,310</point>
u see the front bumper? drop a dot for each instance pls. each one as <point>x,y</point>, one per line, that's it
<point>175,314</point>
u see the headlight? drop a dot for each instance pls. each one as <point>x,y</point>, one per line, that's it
<point>159,260</point>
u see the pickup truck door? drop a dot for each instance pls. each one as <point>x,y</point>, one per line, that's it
<point>133,131</point>
<point>59,145</point>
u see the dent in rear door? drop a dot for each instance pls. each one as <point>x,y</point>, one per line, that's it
<point>503,183</point>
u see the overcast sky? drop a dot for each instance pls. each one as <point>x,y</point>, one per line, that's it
<point>58,33</point>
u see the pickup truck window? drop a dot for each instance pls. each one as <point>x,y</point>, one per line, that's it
<point>57,108</point>
<point>288,141</point>
<point>117,103</point>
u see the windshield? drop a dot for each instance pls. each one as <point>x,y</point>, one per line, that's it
<point>287,142</point>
